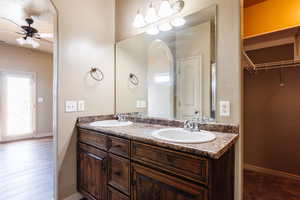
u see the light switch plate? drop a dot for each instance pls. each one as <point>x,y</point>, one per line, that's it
<point>143,104</point>
<point>224,108</point>
<point>71,106</point>
<point>81,106</point>
<point>40,100</point>
<point>138,104</point>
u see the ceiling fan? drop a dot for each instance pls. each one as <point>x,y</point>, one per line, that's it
<point>29,35</point>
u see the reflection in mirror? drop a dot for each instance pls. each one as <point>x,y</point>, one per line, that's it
<point>176,71</point>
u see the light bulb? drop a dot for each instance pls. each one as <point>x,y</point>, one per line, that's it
<point>21,41</point>
<point>151,15</point>
<point>165,27</point>
<point>29,40</point>
<point>35,44</point>
<point>179,21</point>
<point>139,20</point>
<point>153,30</point>
<point>165,9</point>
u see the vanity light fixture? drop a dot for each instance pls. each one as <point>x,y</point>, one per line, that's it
<point>151,14</point>
<point>152,30</point>
<point>164,19</point>
<point>139,20</point>
<point>178,21</point>
<point>165,27</point>
<point>165,9</point>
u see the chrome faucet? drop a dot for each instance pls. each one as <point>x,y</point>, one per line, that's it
<point>187,125</point>
<point>191,125</point>
<point>121,117</point>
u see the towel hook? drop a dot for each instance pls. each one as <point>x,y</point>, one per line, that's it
<point>133,79</point>
<point>96,74</point>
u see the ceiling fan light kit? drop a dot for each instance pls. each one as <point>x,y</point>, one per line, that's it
<point>28,40</point>
<point>162,17</point>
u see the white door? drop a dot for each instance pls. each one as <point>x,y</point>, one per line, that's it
<point>189,88</point>
<point>17,105</point>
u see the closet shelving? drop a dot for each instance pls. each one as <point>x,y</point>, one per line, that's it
<point>277,50</point>
<point>250,66</point>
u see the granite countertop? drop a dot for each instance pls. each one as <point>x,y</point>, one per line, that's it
<point>143,132</point>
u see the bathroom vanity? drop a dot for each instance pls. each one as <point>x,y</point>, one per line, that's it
<point>122,163</point>
<point>167,76</point>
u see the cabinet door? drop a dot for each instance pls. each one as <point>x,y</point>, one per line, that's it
<point>92,172</point>
<point>116,195</point>
<point>150,184</point>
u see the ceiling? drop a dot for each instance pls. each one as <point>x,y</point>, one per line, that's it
<point>41,12</point>
<point>248,3</point>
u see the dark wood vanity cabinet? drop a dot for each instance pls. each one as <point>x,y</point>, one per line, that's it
<point>113,168</point>
<point>92,172</point>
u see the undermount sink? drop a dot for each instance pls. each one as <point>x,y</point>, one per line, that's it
<point>110,123</point>
<point>180,135</point>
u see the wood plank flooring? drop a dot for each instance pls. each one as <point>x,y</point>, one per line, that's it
<point>258,186</point>
<point>26,170</point>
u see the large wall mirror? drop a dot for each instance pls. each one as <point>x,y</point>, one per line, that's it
<point>172,74</point>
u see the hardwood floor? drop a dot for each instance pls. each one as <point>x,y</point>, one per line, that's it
<point>267,187</point>
<point>26,170</point>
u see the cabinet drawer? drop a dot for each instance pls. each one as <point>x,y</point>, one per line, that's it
<point>181,164</point>
<point>119,146</point>
<point>93,138</point>
<point>116,195</point>
<point>119,173</point>
<point>149,184</point>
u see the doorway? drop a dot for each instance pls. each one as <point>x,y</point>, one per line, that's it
<point>27,74</point>
<point>18,105</point>
<point>271,62</point>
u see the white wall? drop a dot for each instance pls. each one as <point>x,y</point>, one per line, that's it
<point>85,39</point>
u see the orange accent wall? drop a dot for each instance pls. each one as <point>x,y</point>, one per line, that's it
<point>270,16</point>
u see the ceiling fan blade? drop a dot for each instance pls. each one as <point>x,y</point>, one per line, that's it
<point>13,32</point>
<point>44,40</point>
<point>11,21</point>
<point>46,35</point>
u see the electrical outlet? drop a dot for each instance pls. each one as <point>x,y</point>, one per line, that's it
<point>71,106</point>
<point>224,108</point>
<point>81,106</point>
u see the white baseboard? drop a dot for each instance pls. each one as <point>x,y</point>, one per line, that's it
<point>75,196</point>
<point>41,135</point>
<point>26,137</point>
<point>271,172</point>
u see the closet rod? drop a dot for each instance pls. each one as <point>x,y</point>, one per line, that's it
<point>277,65</point>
